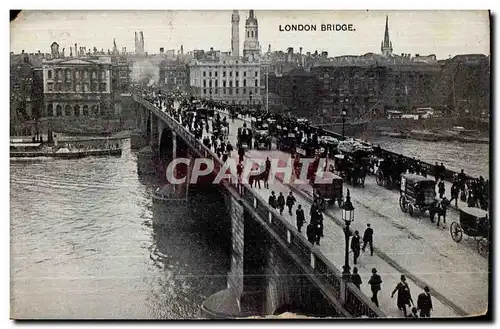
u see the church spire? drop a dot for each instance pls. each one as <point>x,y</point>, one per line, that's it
<point>386,35</point>
<point>386,46</point>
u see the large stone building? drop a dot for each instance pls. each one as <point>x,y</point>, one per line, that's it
<point>226,77</point>
<point>222,77</point>
<point>75,86</point>
<point>174,75</point>
<point>26,94</point>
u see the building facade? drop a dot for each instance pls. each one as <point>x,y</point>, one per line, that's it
<point>78,86</point>
<point>174,76</point>
<point>25,95</point>
<point>226,78</point>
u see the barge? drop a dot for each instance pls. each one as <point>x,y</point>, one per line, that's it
<point>35,150</point>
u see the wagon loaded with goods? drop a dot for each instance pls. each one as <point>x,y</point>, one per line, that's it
<point>417,193</point>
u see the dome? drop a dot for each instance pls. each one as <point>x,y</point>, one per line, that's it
<point>251,20</point>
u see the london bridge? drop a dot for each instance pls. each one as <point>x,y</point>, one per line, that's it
<point>108,238</point>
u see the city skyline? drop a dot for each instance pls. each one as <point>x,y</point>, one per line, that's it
<point>410,31</point>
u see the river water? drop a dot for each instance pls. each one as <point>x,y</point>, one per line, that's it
<point>472,158</point>
<point>83,245</point>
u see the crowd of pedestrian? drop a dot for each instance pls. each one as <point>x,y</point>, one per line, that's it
<point>314,230</point>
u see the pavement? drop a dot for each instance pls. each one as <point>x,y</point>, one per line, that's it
<point>455,272</point>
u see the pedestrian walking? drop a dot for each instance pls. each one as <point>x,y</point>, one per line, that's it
<point>239,171</point>
<point>441,189</point>
<point>272,200</point>
<point>241,153</point>
<point>368,238</point>
<point>355,278</point>
<point>281,203</point>
<point>424,303</point>
<point>290,201</point>
<point>455,189</point>
<point>404,295</point>
<point>299,213</point>
<point>375,282</point>
<point>355,246</point>
<point>318,232</point>
<point>311,237</point>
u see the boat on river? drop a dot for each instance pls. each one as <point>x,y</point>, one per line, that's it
<point>35,150</point>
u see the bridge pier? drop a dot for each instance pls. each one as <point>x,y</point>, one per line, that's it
<point>138,138</point>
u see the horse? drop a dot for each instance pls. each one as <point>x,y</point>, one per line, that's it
<point>440,209</point>
<point>263,176</point>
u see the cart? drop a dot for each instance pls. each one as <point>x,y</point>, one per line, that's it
<point>417,193</point>
<point>329,188</point>
<point>473,222</point>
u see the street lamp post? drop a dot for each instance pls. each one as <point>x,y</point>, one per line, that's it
<point>251,98</point>
<point>344,113</point>
<point>348,217</point>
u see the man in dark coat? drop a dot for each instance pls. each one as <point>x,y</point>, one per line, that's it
<point>441,189</point>
<point>290,201</point>
<point>355,278</point>
<point>272,200</point>
<point>375,283</point>
<point>404,295</point>
<point>281,203</point>
<point>299,213</point>
<point>310,233</point>
<point>424,303</point>
<point>368,238</point>
<point>355,246</point>
<point>241,153</point>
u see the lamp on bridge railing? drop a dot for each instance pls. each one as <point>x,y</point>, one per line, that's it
<point>348,217</point>
<point>344,114</point>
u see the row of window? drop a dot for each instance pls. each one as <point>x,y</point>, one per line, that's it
<point>237,83</point>
<point>72,111</point>
<point>256,73</point>
<point>60,74</point>
<point>229,91</point>
<point>77,87</point>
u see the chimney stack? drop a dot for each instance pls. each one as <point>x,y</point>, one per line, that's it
<point>182,50</point>
<point>70,51</point>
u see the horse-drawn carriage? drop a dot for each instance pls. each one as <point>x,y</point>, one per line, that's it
<point>287,140</point>
<point>328,188</point>
<point>262,141</point>
<point>418,193</point>
<point>387,174</point>
<point>474,222</point>
<point>352,164</point>
<point>244,137</point>
<point>220,129</point>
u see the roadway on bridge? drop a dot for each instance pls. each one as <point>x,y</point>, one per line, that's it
<point>455,272</point>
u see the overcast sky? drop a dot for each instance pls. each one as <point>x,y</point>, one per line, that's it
<point>442,33</point>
